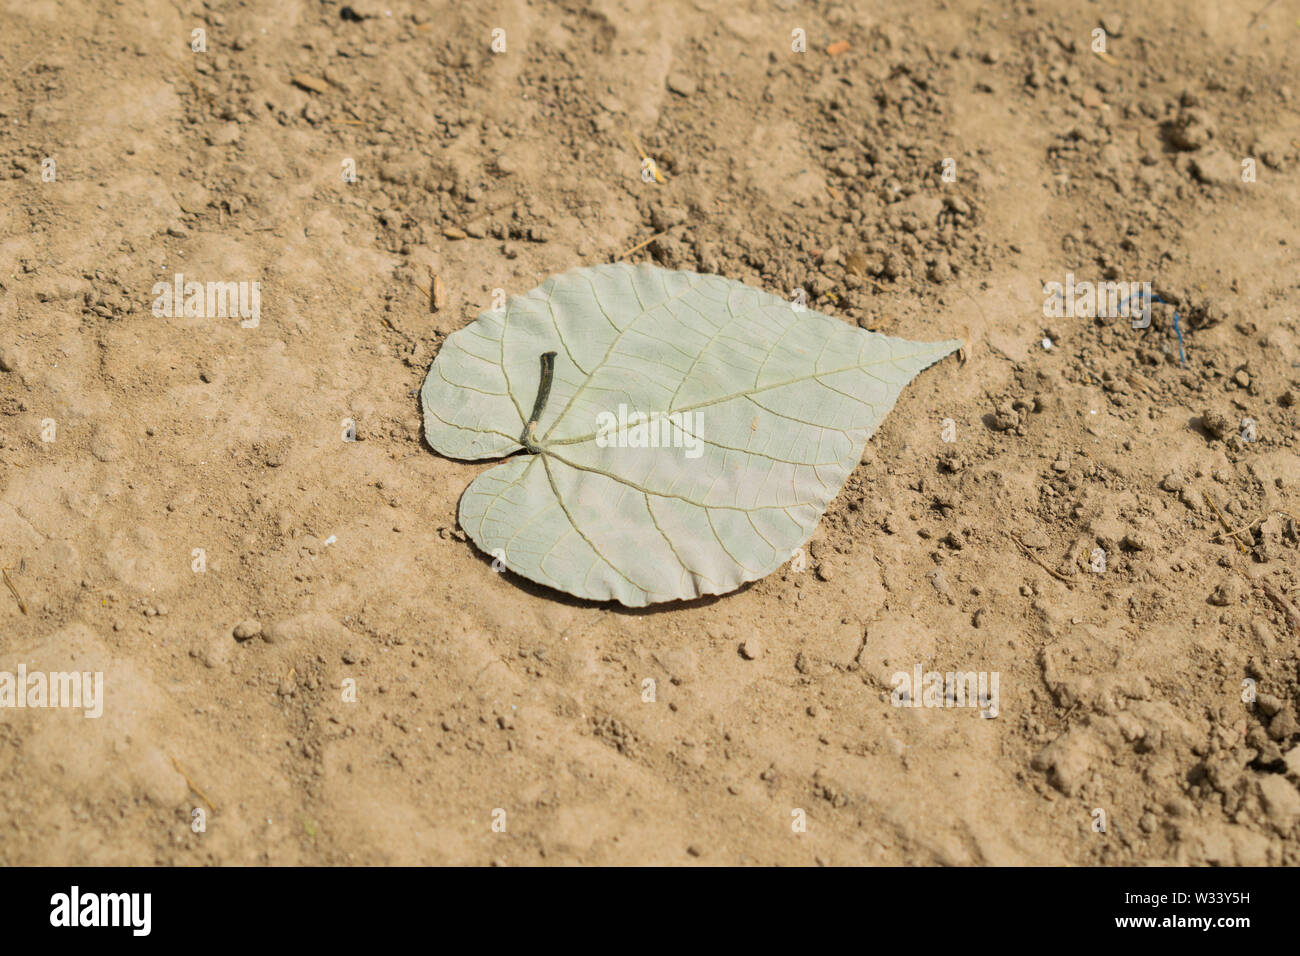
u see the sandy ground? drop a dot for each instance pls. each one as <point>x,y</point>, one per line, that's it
<point>922,169</point>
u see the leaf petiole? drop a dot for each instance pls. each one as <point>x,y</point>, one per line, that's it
<point>543,394</point>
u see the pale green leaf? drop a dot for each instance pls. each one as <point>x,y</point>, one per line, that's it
<point>760,410</point>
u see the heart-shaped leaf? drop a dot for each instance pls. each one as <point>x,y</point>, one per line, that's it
<point>682,433</point>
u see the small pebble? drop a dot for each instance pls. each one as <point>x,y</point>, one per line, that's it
<point>1035,539</point>
<point>1217,423</point>
<point>1135,541</point>
<point>1268,704</point>
<point>1226,593</point>
<point>681,84</point>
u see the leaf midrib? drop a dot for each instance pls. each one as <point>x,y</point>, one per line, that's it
<point>746,393</point>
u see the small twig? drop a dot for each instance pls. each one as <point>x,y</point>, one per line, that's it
<point>22,605</point>
<point>1066,716</point>
<point>1283,603</point>
<point>965,351</point>
<point>1226,527</point>
<point>1038,561</point>
<point>1245,527</point>
<point>436,293</point>
<point>202,92</point>
<point>192,785</point>
<point>642,245</point>
<point>1288,609</point>
<point>1259,13</point>
<point>487,212</point>
<point>654,167</point>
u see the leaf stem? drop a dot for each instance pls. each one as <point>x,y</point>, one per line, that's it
<point>543,394</point>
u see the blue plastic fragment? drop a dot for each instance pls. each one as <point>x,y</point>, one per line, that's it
<point>1178,328</point>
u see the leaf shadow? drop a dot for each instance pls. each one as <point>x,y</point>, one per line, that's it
<point>528,586</point>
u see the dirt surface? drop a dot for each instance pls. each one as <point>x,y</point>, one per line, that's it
<point>922,169</point>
